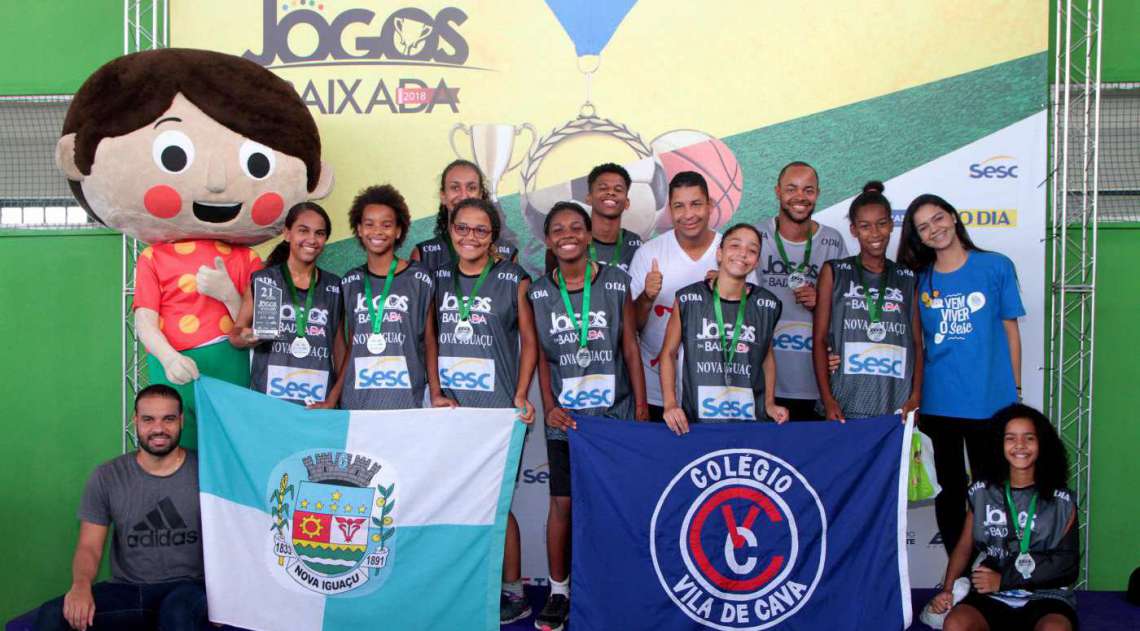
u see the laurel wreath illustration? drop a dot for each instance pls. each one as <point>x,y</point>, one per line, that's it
<point>586,123</point>
<point>384,521</point>
<point>280,509</point>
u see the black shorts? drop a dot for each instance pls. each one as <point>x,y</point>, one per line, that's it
<point>800,409</point>
<point>558,455</point>
<point>1001,616</point>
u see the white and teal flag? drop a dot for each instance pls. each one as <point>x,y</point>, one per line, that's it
<point>337,519</point>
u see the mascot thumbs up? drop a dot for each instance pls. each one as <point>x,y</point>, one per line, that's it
<point>199,154</point>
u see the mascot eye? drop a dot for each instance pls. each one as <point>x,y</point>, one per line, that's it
<point>256,160</point>
<point>172,151</point>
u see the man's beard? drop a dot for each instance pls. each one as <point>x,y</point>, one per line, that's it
<point>144,444</point>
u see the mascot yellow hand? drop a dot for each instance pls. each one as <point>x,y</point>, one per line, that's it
<point>199,154</point>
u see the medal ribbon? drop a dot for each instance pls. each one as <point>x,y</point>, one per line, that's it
<point>874,311</point>
<point>1022,535</point>
<point>784,254</point>
<point>728,347</point>
<point>302,316</point>
<point>615,258</point>
<point>583,323</point>
<point>465,301</point>
<point>376,314</point>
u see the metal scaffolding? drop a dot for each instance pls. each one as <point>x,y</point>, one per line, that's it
<point>145,26</point>
<point>1075,113</point>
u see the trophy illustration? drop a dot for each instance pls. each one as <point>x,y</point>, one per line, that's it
<point>492,146</point>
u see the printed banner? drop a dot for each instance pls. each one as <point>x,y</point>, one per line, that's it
<point>330,519</point>
<point>740,526</point>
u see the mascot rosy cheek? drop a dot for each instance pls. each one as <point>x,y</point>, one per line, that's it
<point>199,154</point>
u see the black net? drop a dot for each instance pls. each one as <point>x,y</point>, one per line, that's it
<point>33,193</point>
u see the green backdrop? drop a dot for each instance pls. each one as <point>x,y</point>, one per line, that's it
<point>60,296</point>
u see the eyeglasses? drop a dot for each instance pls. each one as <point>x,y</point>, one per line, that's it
<point>463,230</point>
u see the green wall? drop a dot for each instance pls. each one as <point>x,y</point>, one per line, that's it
<point>1114,544</point>
<point>60,390</point>
<point>51,46</point>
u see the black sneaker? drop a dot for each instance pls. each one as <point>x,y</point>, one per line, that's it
<point>512,608</point>
<point>554,614</point>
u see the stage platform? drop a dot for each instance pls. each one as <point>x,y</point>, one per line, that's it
<point>1098,611</point>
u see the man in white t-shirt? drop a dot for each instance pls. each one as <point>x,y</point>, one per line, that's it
<point>789,268</point>
<point>667,263</point>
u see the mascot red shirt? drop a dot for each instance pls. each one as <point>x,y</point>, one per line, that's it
<point>199,154</point>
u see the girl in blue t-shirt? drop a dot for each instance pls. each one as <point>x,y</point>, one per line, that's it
<point>969,305</point>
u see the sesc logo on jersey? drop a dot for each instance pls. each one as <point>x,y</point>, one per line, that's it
<point>877,360</point>
<point>726,403</point>
<point>590,391</point>
<point>297,384</point>
<point>467,373</point>
<point>792,336</point>
<point>386,372</point>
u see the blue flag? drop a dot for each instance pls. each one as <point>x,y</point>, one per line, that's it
<point>740,526</point>
<point>331,519</point>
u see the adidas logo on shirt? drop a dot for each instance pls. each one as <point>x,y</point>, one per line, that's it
<point>162,527</point>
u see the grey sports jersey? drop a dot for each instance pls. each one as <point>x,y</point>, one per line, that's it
<point>792,344</point>
<point>434,253</point>
<point>708,394</point>
<point>602,388</point>
<point>396,378</point>
<point>1054,551</point>
<point>482,372</point>
<point>274,370</point>
<point>874,377</point>
<point>630,241</point>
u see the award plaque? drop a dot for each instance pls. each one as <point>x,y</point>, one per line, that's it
<point>266,309</point>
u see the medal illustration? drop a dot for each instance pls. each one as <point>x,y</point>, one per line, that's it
<point>797,280</point>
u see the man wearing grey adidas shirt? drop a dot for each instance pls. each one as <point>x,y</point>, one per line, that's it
<point>794,249</point>
<point>151,498</point>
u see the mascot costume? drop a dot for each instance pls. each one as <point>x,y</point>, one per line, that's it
<point>198,154</point>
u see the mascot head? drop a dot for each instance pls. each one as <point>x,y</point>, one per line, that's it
<point>175,144</point>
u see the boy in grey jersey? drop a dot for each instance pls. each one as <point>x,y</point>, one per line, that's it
<point>608,197</point>
<point>394,378</point>
<point>149,499</point>
<point>790,269</point>
<point>725,326</point>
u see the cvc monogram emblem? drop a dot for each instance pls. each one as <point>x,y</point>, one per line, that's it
<point>357,36</point>
<point>728,548</point>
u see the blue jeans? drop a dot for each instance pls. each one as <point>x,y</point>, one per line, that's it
<point>174,606</point>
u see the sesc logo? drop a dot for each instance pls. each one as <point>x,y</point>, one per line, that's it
<point>387,372</point>
<point>726,403</point>
<point>994,168</point>
<point>727,546</point>
<point>792,336</point>
<point>297,384</point>
<point>590,391</point>
<point>467,373</point>
<point>537,475</point>
<point>876,360</point>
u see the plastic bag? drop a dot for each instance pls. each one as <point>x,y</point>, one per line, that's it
<point>922,483</point>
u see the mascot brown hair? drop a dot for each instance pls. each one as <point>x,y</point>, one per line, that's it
<point>199,154</point>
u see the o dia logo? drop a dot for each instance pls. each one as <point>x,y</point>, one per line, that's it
<point>739,540</point>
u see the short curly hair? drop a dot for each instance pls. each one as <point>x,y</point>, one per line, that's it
<point>384,195</point>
